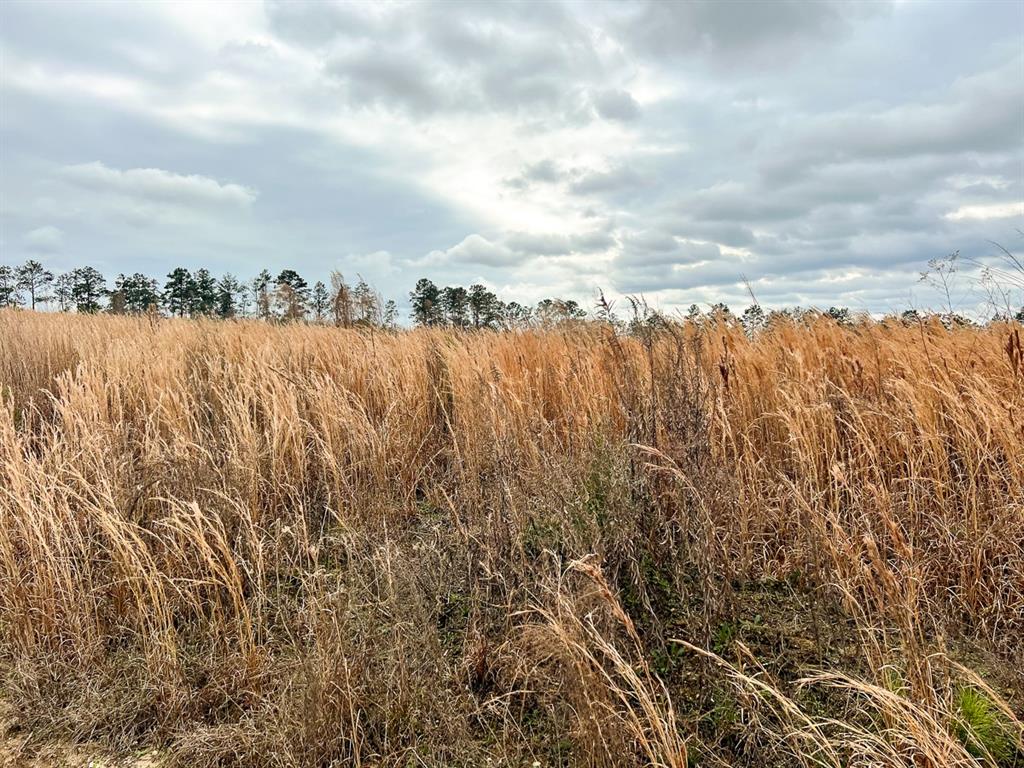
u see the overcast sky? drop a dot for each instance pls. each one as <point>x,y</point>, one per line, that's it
<point>824,151</point>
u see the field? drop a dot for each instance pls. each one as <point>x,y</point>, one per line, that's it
<point>237,543</point>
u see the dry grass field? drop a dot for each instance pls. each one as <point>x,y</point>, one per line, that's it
<point>283,545</point>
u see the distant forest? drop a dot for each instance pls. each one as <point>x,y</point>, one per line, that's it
<point>288,297</point>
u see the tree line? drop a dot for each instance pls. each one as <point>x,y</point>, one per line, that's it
<point>286,297</point>
<point>454,306</point>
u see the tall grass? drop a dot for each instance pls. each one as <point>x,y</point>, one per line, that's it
<point>300,546</point>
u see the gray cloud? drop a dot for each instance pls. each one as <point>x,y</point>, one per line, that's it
<point>544,170</point>
<point>650,242</point>
<point>545,244</point>
<point>391,79</point>
<point>317,23</point>
<point>737,34</point>
<point>615,104</point>
<point>541,172</point>
<point>653,260</point>
<point>555,244</point>
<point>979,113</point>
<point>457,57</point>
<point>44,240</point>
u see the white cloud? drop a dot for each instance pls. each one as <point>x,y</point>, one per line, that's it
<point>477,250</point>
<point>156,185</point>
<point>989,211</point>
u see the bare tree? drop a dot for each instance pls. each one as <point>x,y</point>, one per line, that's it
<point>341,301</point>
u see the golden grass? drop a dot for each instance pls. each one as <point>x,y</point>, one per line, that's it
<point>292,545</point>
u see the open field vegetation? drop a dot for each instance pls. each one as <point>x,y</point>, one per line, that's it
<point>284,545</point>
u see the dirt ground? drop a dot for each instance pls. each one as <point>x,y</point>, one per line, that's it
<point>16,751</point>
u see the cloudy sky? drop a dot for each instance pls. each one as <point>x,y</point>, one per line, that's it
<point>822,151</point>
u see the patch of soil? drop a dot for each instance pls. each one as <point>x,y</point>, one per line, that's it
<point>18,750</point>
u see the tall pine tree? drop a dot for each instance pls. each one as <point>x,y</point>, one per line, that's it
<point>35,279</point>
<point>88,287</point>
<point>425,300</point>
<point>321,301</point>
<point>179,292</point>
<point>204,297</point>
<point>10,291</point>
<point>228,290</point>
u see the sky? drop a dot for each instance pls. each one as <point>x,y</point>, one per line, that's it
<point>820,153</point>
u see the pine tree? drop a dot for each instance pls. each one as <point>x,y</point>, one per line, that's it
<point>753,319</point>
<point>292,294</point>
<point>228,290</point>
<point>63,291</point>
<point>145,295</point>
<point>841,315</point>
<point>572,310</point>
<point>485,309</point>
<point>517,316</point>
<point>204,296</point>
<point>34,278</point>
<point>389,318</point>
<point>10,290</point>
<point>87,289</point>
<point>243,298</point>
<point>455,301</point>
<point>321,301</point>
<point>720,313</point>
<point>551,311</point>
<point>426,303</point>
<point>134,294</point>
<point>261,290</point>
<point>366,304</point>
<point>179,292</point>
